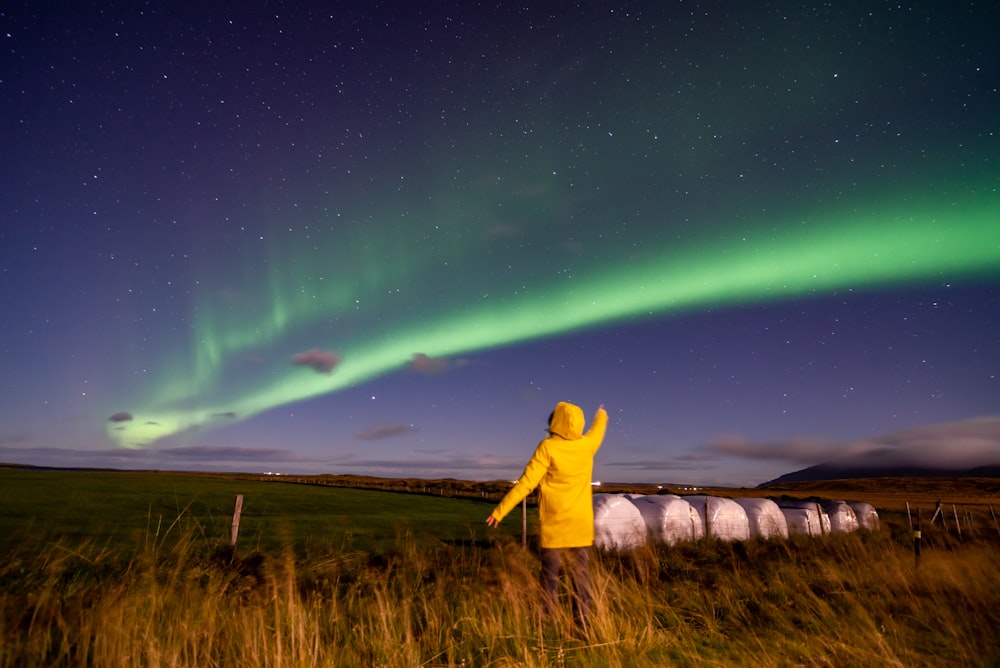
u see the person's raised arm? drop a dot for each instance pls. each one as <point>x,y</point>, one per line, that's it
<point>598,427</point>
<point>599,423</point>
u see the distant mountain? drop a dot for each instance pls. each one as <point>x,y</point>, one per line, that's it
<point>853,470</point>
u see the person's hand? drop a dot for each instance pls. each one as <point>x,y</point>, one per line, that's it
<point>601,407</point>
<point>491,521</point>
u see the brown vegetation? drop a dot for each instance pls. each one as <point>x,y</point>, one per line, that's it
<point>854,599</point>
<point>844,600</point>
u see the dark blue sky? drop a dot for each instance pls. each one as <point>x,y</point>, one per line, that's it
<point>387,238</point>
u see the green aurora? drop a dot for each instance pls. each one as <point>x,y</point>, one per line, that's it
<point>374,334</point>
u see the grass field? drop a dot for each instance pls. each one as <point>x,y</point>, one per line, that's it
<point>125,509</point>
<point>123,569</point>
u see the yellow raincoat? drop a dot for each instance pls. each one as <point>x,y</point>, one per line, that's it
<point>562,464</point>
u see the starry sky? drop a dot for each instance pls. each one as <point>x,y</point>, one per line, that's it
<point>386,238</point>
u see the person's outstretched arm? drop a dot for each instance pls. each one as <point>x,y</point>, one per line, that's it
<point>533,472</point>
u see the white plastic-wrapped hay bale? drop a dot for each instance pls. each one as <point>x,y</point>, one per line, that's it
<point>805,517</point>
<point>724,518</point>
<point>618,524</point>
<point>842,517</point>
<point>669,518</point>
<point>866,514</point>
<point>764,518</point>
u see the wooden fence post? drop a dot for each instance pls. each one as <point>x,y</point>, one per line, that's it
<point>958,527</point>
<point>524,522</point>
<point>236,520</point>
<point>937,511</point>
<point>916,541</point>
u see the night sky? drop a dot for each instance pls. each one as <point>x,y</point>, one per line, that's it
<point>386,238</point>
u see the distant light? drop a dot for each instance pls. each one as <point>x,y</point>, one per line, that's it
<point>596,483</point>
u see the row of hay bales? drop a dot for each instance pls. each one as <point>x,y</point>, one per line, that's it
<point>625,521</point>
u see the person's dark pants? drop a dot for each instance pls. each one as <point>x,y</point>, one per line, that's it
<point>577,561</point>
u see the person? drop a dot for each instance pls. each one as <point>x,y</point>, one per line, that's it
<point>561,468</point>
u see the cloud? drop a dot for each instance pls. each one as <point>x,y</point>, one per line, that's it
<point>227,414</point>
<point>798,450</point>
<point>950,445</point>
<point>429,366</point>
<point>434,464</point>
<point>381,431</point>
<point>190,458</point>
<point>423,463</point>
<point>421,363</point>
<point>322,361</point>
<point>121,416</point>
<point>225,453</point>
<point>658,465</point>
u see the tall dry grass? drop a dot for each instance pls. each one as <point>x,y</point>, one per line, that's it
<point>842,600</point>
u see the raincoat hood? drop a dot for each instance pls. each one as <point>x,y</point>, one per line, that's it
<point>567,421</point>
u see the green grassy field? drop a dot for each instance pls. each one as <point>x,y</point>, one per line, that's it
<point>125,509</point>
<point>133,569</point>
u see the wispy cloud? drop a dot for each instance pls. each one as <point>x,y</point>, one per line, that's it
<point>962,444</point>
<point>433,463</point>
<point>655,465</point>
<point>192,458</point>
<point>383,431</point>
<point>12,439</point>
<point>421,363</point>
<point>952,445</point>
<point>321,361</point>
<point>805,451</point>
<point>226,453</point>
